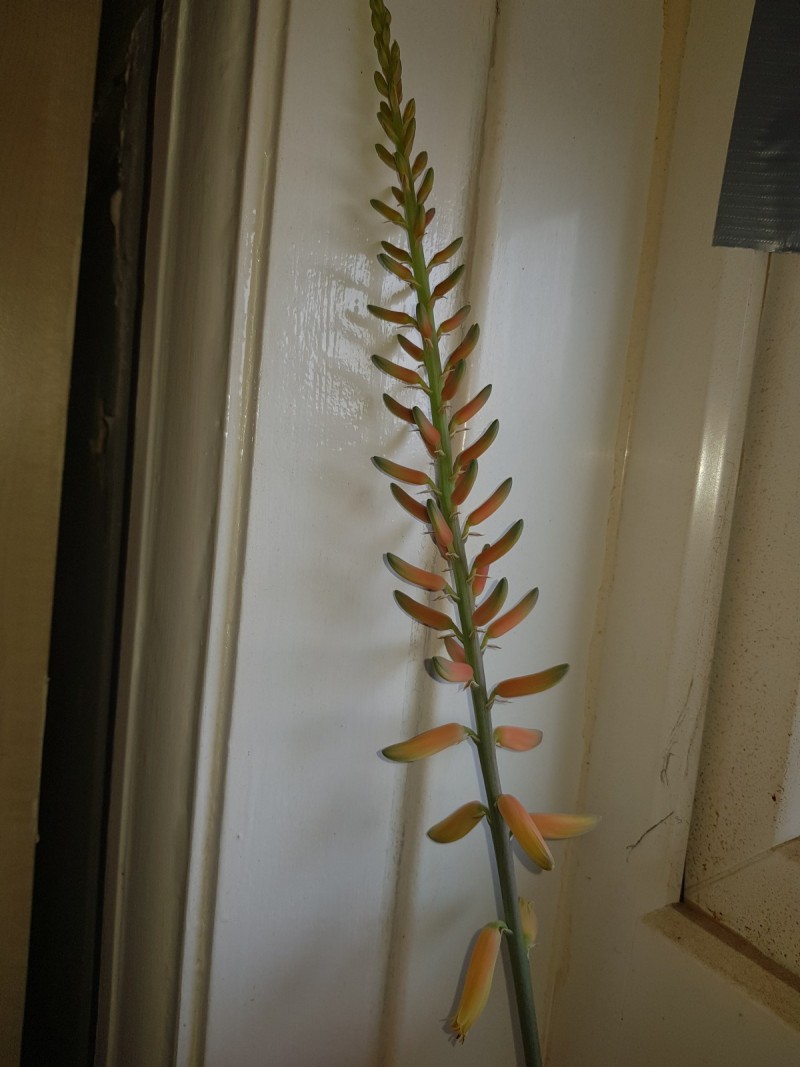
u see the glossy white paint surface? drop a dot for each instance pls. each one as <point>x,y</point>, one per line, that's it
<point>325,874</point>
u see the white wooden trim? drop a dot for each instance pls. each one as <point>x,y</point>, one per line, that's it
<point>180,609</point>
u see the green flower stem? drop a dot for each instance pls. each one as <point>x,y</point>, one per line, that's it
<point>460,577</point>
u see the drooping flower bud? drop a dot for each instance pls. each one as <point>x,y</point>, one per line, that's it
<point>514,617</point>
<point>530,924</point>
<point>451,670</point>
<point>441,531</point>
<point>437,620</point>
<point>464,483</point>
<point>444,254</point>
<point>554,827</point>
<point>530,684</point>
<point>477,448</point>
<point>491,553</point>
<point>458,823</point>
<point>517,739</point>
<point>478,980</point>
<point>412,506</point>
<point>434,583</point>
<point>400,374</point>
<point>428,743</point>
<point>488,608</point>
<point>525,831</point>
<point>402,474</point>
<point>490,506</point>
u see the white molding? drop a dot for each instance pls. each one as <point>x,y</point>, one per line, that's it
<point>194,409</point>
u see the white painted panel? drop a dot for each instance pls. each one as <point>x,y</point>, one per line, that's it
<point>326,675</point>
<point>559,227</point>
<point>324,872</point>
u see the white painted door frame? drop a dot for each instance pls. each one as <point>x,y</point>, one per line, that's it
<point>212,173</point>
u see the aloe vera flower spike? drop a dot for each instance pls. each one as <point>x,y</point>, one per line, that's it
<point>435,379</point>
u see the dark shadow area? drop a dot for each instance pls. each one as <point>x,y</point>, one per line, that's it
<point>63,971</point>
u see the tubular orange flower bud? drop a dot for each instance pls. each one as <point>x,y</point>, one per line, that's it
<point>399,318</point>
<point>434,583</point>
<point>455,320</point>
<point>458,823</point>
<point>398,195</point>
<point>408,346</point>
<point>380,84</point>
<point>558,827</point>
<point>530,924</point>
<point>442,532</point>
<point>398,409</point>
<point>491,553</point>
<point>478,981</point>
<point>463,350</point>
<point>388,213</point>
<point>464,414</point>
<point>409,135</point>
<point>419,164</point>
<point>410,110</point>
<point>490,506</point>
<point>529,684</point>
<point>517,739</point>
<point>429,215</point>
<point>444,287</point>
<point>419,224</point>
<point>425,186</point>
<point>430,435</point>
<point>395,252</point>
<point>424,324</point>
<point>514,617</point>
<point>452,381</point>
<point>452,671</point>
<point>492,604</point>
<point>400,374</point>
<point>444,254</point>
<point>386,124</point>
<point>525,831</point>
<point>412,506</point>
<point>481,578</point>
<point>455,649</point>
<point>427,743</point>
<point>397,269</point>
<point>486,440</point>
<point>437,620</point>
<point>385,156</point>
<point>402,474</point>
<point>464,484</point>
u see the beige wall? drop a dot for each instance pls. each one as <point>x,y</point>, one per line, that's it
<point>47,58</point>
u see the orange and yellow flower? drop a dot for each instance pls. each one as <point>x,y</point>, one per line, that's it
<point>458,823</point>
<point>478,981</point>
<point>428,743</point>
<point>525,831</point>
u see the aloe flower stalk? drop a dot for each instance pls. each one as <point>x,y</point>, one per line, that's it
<point>445,484</point>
